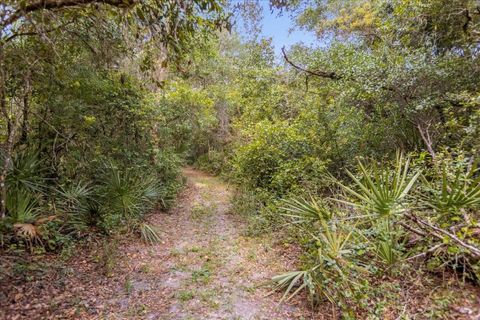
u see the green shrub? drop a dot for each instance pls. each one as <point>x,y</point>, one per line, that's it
<point>125,196</point>
<point>381,191</point>
<point>333,269</point>
<point>213,161</point>
<point>345,248</point>
<point>27,173</point>
<point>279,158</point>
<point>75,204</point>
<point>448,200</point>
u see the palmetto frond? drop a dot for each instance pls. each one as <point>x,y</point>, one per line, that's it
<point>302,210</point>
<point>451,195</point>
<point>149,234</point>
<point>381,191</point>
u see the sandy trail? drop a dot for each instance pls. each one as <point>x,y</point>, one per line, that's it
<point>205,268</point>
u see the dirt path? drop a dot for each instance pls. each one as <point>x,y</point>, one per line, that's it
<point>204,268</point>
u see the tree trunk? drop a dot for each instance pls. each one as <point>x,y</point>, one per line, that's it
<point>25,111</point>
<point>7,147</point>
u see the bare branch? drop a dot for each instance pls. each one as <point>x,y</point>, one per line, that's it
<point>323,74</point>
<point>326,74</point>
<point>412,229</point>
<point>422,223</point>
<point>425,253</point>
<point>33,33</point>
<point>425,134</point>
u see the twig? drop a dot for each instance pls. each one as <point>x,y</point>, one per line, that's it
<point>412,229</point>
<point>423,254</point>
<point>323,74</point>
<point>472,249</point>
<point>425,134</point>
<point>33,33</point>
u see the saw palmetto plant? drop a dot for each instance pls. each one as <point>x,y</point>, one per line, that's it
<point>381,191</point>
<point>128,193</point>
<point>74,203</point>
<point>331,262</point>
<point>27,173</point>
<point>451,194</point>
<point>24,216</point>
<point>302,210</point>
<point>332,274</point>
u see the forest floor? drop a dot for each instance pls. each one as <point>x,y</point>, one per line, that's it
<point>204,268</point>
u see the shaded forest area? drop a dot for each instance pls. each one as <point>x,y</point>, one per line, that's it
<point>360,153</point>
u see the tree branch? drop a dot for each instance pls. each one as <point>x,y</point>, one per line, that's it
<point>58,4</point>
<point>425,253</point>
<point>425,134</point>
<point>323,74</point>
<point>33,33</point>
<point>412,229</point>
<point>422,223</point>
<point>326,74</point>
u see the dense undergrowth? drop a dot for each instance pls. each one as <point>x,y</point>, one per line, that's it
<point>64,185</point>
<point>87,151</point>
